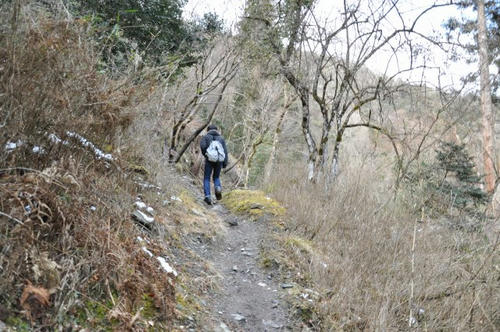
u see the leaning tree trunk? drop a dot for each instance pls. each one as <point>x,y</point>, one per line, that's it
<point>258,141</point>
<point>486,107</point>
<point>276,136</point>
<point>272,155</point>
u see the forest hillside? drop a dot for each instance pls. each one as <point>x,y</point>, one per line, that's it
<point>354,199</point>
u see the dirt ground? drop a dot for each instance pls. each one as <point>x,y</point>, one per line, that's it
<point>251,298</point>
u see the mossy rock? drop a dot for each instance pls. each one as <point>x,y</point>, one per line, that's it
<point>252,202</point>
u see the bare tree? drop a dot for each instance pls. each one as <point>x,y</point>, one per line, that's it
<point>210,77</point>
<point>325,62</point>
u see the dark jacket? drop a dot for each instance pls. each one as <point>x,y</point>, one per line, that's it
<point>208,138</point>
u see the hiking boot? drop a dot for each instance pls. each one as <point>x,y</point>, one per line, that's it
<point>218,193</point>
<point>208,200</point>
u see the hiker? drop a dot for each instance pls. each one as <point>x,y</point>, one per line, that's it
<point>213,148</point>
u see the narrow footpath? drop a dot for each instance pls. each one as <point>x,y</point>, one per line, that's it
<point>251,298</point>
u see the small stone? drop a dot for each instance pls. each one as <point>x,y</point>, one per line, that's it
<point>261,284</point>
<point>232,222</point>
<point>285,286</point>
<point>196,212</point>
<point>272,324</point>
<point>235,268</point>
<point>239,317</point>
<point>223,328</point>
<point>274,304</point>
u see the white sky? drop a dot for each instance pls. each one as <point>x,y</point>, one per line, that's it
<point>230,10</point>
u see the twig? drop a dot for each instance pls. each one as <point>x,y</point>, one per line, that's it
<point>11,218</point>
<point>411,319</point>
<point>110,294</point>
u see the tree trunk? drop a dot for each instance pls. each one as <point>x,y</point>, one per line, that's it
<point>258,141</point>
<point>488,119</point>
<point>272,155</point>
<point>207,121</point>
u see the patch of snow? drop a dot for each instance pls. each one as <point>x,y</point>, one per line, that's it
<point>166,266</point>
<point>261,284</point>
<point>38,149</point>
<point>55,139</point>
<point>147,251</point>
<point>9,146</point>
<point>140,205</point>
<point>147,218</point>
<point>150,210</point>
<point>146,185</point>
<point>99,153</point>
<point>175,198</point>
<point>140,239</point>
<point>93,208</point>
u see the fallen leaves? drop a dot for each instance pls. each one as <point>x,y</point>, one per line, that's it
<point>34,300</point>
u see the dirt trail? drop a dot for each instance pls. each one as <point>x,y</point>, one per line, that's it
<point>251,298</point>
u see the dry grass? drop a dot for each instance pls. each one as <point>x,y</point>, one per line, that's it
<point>363,268</point>
<point>54,239</point>
<point>70,256</point>
<point>49,84</point>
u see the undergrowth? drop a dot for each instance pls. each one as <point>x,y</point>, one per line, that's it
<point>70,255</point>
<point>366,267</point>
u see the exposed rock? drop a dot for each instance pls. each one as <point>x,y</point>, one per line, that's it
<point>232,221</point>
<point>143,219</point>
<point>285,286</point>
<point>257,206</point>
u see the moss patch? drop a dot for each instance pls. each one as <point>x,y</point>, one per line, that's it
<point>252,202</point>
<point>303,245</point>
<point>18,324</point>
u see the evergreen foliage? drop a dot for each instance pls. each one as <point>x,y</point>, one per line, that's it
<point>155,25</point>
<point>450,182</point>
<point>155,29</point>
<point>464,183</point>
